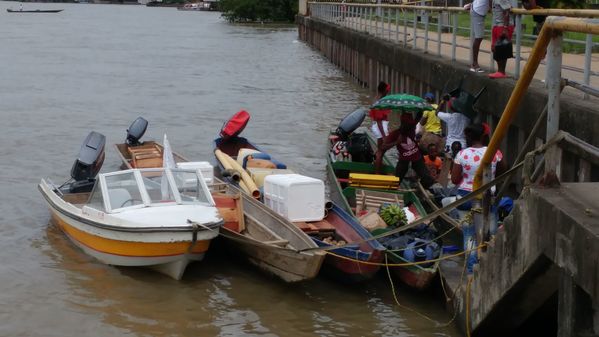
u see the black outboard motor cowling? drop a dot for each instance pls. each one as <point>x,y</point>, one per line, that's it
<point>88,163</point>
<point>350,123</point>
<point>136,130</point>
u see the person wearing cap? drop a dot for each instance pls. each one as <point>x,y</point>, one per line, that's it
<point>432,133</point>
<point>503,28</point>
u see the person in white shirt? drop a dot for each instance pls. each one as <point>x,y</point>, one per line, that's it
<point>456,123</point>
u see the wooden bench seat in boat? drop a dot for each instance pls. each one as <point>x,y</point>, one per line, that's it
<point>146,156</point>
<point>313,227</point>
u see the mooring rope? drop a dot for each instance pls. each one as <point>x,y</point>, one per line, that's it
<point>429,217</point>
<point>408,264</point>
<point>438,325</point>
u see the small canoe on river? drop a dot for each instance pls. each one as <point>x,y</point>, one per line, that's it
<point>35,11</point>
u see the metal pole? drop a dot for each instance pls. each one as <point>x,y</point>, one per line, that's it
<point>378,7</point>
<point>376,21</point>
<point>587,61</point>
<point>426,27</point>
<point>361,19</point>
<point>439,19</point>
<point>390,16</point>
<point>518,45</point>
<point>396,25</point>
<point>405,28</point>
<point>471,38</point>
<point>415,37</point>
<point>554,76</point>
<point>454,32</point>
<point>369,19</point>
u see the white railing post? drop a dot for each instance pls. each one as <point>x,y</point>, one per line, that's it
<point>389,22</point>
<point>587,61</point>
<point>405,28</point>
<point>471,37</point>
<point>415,37</point>
<point>439,22</point>
<point>396,25</point>
<point>454,33</point>
<point>518,45</point>
<point>554,76</point>
<point>426,27</point>
<point>369,20</point>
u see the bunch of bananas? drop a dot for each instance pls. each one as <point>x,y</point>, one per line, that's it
<point>393,214</point>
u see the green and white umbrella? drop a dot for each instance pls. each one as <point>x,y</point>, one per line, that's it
<point>403,103</point>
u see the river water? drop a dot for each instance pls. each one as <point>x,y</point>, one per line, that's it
<point>98,67</point>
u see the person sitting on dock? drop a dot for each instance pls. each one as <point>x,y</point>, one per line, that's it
<point>380,125</point>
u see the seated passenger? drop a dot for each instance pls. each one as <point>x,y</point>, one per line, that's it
<point>468,161</point>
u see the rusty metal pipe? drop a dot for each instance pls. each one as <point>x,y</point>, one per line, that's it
<point>568,24</point>
<point>573,13</point>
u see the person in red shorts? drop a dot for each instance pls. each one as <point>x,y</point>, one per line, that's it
<point>503,27</point>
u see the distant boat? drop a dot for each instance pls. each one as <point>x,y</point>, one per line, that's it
<point>35,11</point>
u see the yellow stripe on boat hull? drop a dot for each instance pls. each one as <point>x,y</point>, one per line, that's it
<point>129,248</point>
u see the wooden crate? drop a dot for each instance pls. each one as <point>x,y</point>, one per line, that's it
<point>146,156</point>
<point>372,200</point>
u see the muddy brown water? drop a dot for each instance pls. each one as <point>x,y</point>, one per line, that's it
<point>98,67</point>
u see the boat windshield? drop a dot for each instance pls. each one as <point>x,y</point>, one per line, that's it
<point>152,187</point>
<point>121,190</point>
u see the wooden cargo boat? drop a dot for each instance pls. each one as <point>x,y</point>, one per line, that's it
<point>338,225</point>
<point>349,195</point>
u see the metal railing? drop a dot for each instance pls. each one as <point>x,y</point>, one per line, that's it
<point>425,27</point>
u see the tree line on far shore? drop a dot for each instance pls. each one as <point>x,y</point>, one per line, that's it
<point>259,10</point>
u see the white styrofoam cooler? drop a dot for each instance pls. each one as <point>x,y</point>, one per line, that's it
<point>294,196</point>
<point>204,167</point>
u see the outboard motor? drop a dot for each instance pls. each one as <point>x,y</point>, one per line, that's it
<point>88,163</point>
<point>136,130</point>
<point>350,123</point>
